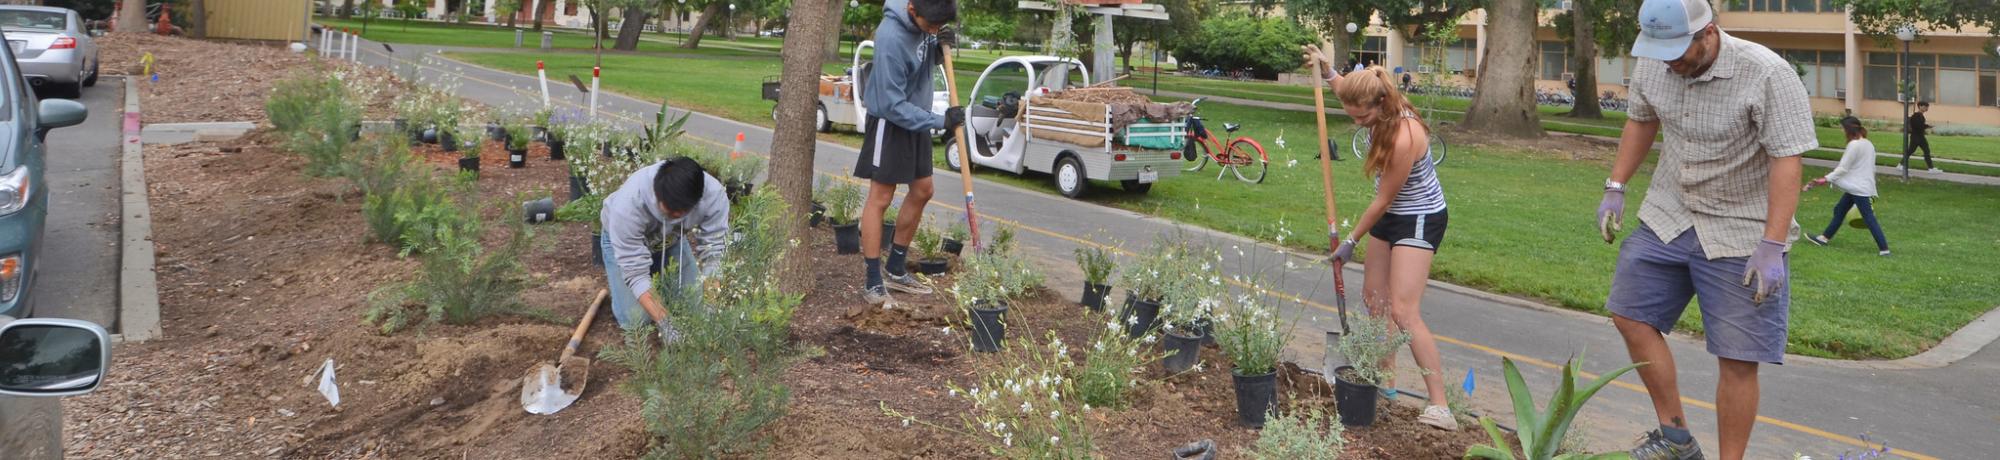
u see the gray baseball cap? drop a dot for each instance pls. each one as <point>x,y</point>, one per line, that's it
<point>1666,27</point>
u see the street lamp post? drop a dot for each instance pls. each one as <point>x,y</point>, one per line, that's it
<point>1907,33</point>
<point>1351,28</point>
<point>682,38</point>
<point>732,22</point>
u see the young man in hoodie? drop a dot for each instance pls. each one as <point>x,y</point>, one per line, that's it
<point>896,147</point>
<point>662,205</point>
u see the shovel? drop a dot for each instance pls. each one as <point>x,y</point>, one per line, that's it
<point>1326,180</point>
<point>550,387</point>
<point>964,149</point>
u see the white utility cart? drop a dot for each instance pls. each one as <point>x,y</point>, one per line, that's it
<point>840,95</point>
<point>1015,130</point>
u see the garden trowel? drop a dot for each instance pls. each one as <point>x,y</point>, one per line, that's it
<point>550,387</point>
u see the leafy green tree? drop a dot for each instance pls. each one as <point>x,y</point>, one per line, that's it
<point>506,9</point>
<point>409,9</point>
<point>1328,20</point>
<point>1609,27</point>
<point>1235,41</point>
<point>1181,15</point>
<point>1880,18</point>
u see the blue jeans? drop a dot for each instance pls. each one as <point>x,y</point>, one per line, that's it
<point>1848,200</point>
<point>624,305</point>
<point>1655,279</point>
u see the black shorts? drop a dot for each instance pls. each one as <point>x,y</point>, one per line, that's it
<point>1423,231</point>
<point>893,155</point>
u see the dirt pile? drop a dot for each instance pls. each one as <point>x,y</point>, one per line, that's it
<point>205,81</point>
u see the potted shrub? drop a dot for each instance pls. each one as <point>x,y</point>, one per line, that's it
<point>1365,345</point>
<point>496,132</point>
<point>517,146</point>
<point>1145,281</point>
<point>889,227</point>
<point>540,129</point>
<point>739,175</point>
<point>954,238</point>
<point>1096,264</point>
<point>818,205</point>
<point>1252,336</point>
<point>931,258</point>
<point>556,137</point>
<point>447,137</point>
<point>842,200</point>
<point>982,290</point>
<point>468,159</point>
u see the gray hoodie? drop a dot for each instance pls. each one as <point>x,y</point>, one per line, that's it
<point>632,218</point>
<point>899,86</point>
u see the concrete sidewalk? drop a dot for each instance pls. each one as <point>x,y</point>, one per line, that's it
<point>1815,409</point>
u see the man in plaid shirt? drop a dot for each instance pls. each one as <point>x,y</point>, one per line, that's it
<point>1717,218</point>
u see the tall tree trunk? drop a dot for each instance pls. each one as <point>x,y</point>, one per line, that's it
<point>132,16</point>
<point>200,20</point>
<point>1339,45</point>
<point>792,140</point>
<point>347,9</point>
<point>701,24</point>
<point>541,10</point>
<point>1505,101</point>
<point>836,15</point>
<point>511,16</point>
<point>1583,61</point>
<point>628,31</point>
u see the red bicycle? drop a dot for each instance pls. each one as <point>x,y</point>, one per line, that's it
<point>1235,156</point>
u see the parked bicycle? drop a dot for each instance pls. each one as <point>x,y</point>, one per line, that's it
<point>1235,156</point>
<point>1360,145</point>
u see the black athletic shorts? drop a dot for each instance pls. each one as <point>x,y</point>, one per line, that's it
<point>1424,231</point>
<point>893,155</point>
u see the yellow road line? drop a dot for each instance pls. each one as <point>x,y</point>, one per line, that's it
<point>1302,301</point>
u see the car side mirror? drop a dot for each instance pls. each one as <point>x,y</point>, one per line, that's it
<point>60,113</point>
<point>52,357</point>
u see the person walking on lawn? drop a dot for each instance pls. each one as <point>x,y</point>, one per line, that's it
<point>1917,126</point>
<point>1856,177</point>
<point>1405,221</point>
<point>661,206</point>
<point>1717,218</point>
<point>896,145</point>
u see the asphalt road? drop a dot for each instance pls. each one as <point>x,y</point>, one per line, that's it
<point>1812,409</point>
<point>78,275</point>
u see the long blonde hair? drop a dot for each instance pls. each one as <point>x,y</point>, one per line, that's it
<point>1374,87</point>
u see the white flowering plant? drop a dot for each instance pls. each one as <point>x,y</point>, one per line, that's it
<point>1112,363</point>
<point>1026,407</point>
<point>1251,333</point>
<point>1192,288</point>
<point>1368,341</point>
<point>1149,273</point>
<point>982,280</point>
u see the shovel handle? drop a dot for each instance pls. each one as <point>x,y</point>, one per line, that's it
<point>964,149</point>
<point>576,338</point>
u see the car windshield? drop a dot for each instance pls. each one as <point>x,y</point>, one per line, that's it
<point>33,20</point>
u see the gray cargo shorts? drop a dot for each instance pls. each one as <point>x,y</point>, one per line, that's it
<point>1654,281</point>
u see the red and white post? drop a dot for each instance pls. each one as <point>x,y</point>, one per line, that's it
<point>354,47</point>
<point>542,75</point>
<point>736,151</point>
<point>595,73</point>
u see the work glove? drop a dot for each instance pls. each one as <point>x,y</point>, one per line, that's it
<point>668,335</point>
<point>1343,253</point>
<point>954,118</point>
<point>1766,270</point>
<point>948,36</point>
<point>1611,214</point>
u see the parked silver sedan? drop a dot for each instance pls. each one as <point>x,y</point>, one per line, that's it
<point>53,47</point>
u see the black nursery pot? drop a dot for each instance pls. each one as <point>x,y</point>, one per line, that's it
<point>1354,401</point>
<point>1094,294</point>
<point>955,246</point>
<point>1255,395</point>
<point>517,158</point>
<point>555,149</point>
<point>597,249</point>
<point>428,136</point>
<point>538,211</point>
<point>1207,329</point>
<point>847,239</point>
<point>1182,351</point>
<point>888,237</point>
<point>577,189</point>
<point>1147,312</point>
<point>737,192</point>
<point>933,266</point>
<point>988,331</point>
<point>469,164</point>
<point>354,132</point>
<point>496,133</point>
<point>447,141</point>
<point>540,133</point>
<point>402,124</point>
<point>818,214</point>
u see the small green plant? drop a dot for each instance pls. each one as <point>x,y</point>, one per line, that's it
<point>1150,273</point>
<point>841,201</point>
<point>664,130</point>
<point>959,232</point>
<point>517,136</point>
<point>1096,264</point>
<point>982,280</point>
<point>418,201</point>
<point>1366,344</point>
<point>928,243</point>
<point>742,170</point>
<point>1192,289</point>
<point>541,117</point>
<point>1112,364</point>
<point>1026,407</point>
<point>583,209</point>
<point>1460,405</point>
<point>1541,431</point>
<point>889,215</point>
<point>1003,240</point>
<point>296,99</point>
<point>459,280</point>
<point>1252,334</point>
<point>1300,434</point>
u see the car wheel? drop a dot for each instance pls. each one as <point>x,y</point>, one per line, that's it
<point>819,121</point>
<point>92,79</point>
<point>1135,186</point>
<point>1069,177</point>
<point>951,157</point>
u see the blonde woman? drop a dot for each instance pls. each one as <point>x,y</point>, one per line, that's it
<point>1405,222</point>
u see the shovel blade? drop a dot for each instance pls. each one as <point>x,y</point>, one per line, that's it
<point>550,387</point>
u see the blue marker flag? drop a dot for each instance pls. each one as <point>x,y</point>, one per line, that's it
<point>1469,385</point>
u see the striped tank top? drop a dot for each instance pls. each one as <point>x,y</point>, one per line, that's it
<point>1421,193</point>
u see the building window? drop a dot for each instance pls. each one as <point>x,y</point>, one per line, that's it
<point>1825,71</point>
<point>1967,80</point>
<point>1555,60</point>
<point>1784,6</point>
<point>569,7</point>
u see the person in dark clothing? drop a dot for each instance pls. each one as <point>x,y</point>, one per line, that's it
<point>896,146</point>
<point>1917,126</point>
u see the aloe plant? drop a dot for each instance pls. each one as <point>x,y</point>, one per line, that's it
<point>664,129</point>
<point>1542,432</point>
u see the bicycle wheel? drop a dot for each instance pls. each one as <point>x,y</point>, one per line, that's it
<point>1359,144</point>
<point>1437,149</point>
<point>1200,149</point>
<point>1248,168</point>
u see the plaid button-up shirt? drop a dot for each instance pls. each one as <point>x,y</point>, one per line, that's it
<point>1722,130</point>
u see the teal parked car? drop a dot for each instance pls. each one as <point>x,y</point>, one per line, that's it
<point>25,121</point>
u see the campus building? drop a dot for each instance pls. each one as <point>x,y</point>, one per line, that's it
<point>556,13</point>
<point>1957,71</point>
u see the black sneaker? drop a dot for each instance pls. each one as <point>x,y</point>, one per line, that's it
<point>1657,447</point>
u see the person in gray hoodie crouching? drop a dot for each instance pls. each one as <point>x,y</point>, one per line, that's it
<point>649,221</point>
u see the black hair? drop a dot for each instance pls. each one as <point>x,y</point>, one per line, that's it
<point>1923,103</point>
<point>679,183</point>
<point>936,12</point>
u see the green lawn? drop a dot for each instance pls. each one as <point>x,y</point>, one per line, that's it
<point>1522,220</point>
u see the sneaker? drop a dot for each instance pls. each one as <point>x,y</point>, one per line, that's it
<point>907,283</point>
<point>877,296</point>
<point>1439,417</point>
<point>1817,240</point>
<point>1657,447</point>
<point>1937,171</point>
<point>1884,253</point>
